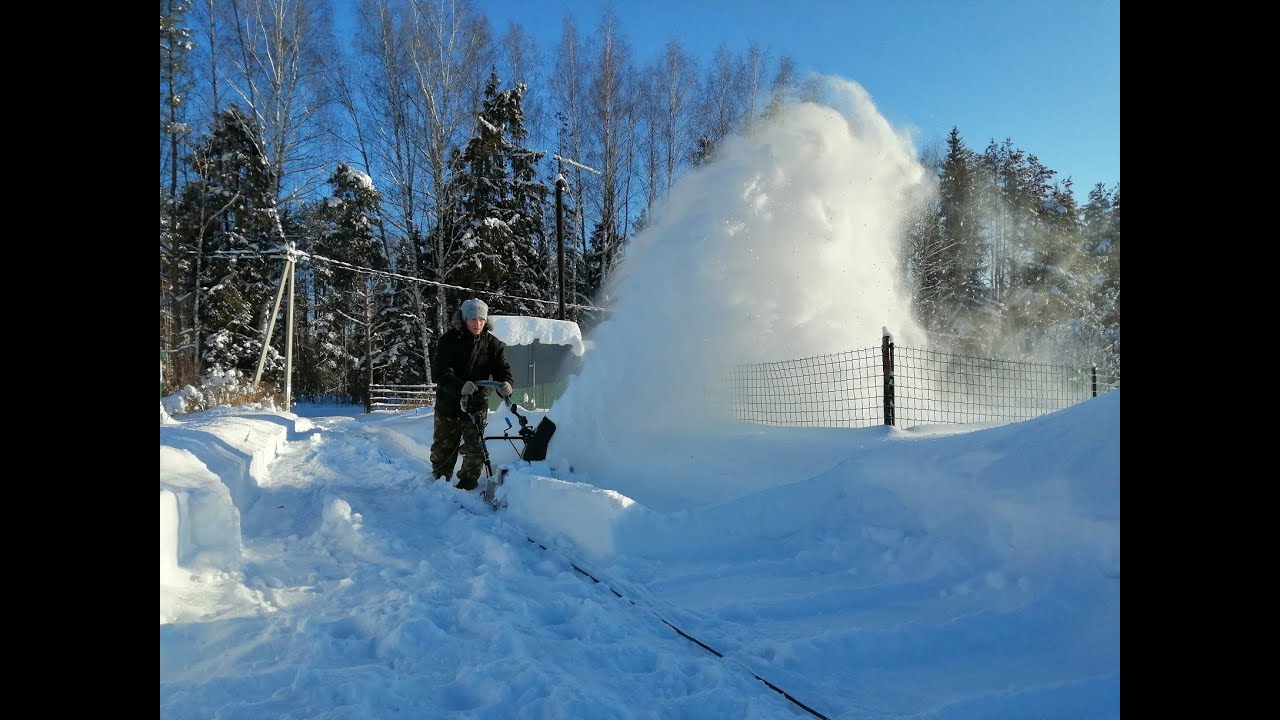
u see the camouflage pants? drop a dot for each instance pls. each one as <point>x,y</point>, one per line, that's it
<point>449,432</point>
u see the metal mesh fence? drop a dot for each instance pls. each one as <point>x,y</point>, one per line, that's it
<point>904,387</point>
<point>940,388</point>
<point>840,390</point>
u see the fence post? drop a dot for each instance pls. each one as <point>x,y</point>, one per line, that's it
<point>1095,381</point>
<point>886,361</point>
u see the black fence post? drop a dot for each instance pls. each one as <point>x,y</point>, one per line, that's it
<point>1095,381</point>
<point>886,361</point>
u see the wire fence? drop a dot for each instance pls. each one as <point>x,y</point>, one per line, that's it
<point>889,385</point>
<point>904,387</point>
<point>840,390</point>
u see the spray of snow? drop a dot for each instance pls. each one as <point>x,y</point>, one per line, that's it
<point>784,246</point>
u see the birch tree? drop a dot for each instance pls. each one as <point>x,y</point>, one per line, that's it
<point>611,119</point>
<point>520,62</point>
<point>385,100</point>
<point>669,88</point>
<point>568,93</point>
<point>176,82</point>
<point>720,103</point>
<point>283,51</point>
<point>449,44</point>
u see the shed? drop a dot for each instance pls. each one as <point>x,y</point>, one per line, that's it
<point>543,353</point>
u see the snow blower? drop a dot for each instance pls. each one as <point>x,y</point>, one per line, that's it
<point>534,439</point>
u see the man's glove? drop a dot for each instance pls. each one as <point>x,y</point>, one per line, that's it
<point>467,388</point>
<point>505,390</point>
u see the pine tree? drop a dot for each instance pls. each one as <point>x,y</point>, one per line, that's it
<point>1064,282</point>
<point>346,303</point>
<point>502,205</point>
<point>1023,219</point>
<point>959,296</point>
<point>1101,221</point>
<point>926,251</point>
<point>401,357</point>
<point>229,214</point>
<point>480,184</point>
<point>1012,192</point>
<point>526,210</point>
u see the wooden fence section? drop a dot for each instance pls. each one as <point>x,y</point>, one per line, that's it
<point>400,397</point>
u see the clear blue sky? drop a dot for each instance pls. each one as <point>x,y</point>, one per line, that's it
<point>1045,74</point>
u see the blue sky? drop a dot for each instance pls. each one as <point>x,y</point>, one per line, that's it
<point>1044,74</point>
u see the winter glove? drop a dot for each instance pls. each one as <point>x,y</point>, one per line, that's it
<point>467,388</point>
<point>505,390</point>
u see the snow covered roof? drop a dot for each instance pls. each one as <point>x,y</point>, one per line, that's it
<point>519,330</point>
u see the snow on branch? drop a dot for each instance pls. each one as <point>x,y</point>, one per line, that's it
<point>576,164</point>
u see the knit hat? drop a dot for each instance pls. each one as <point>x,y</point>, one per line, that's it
<point>475,308</point>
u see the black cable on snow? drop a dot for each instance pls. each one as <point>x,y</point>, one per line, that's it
<point>795,701</point>
<point>689,637</point>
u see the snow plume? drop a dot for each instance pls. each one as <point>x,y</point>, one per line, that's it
<point>784,246</point>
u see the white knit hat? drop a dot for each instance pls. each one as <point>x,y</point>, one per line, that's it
<point>475,308</point>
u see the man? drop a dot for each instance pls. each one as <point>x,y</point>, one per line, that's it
<point>466,352</point>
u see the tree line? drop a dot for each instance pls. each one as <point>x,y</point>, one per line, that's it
<point>410,163</point>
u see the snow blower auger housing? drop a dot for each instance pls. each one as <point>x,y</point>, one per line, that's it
<point>533,439</point>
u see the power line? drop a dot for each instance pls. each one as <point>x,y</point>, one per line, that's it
<point>300,255</point>
<point>398,276</point>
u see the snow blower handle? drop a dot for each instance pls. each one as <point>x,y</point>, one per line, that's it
<point>465,398</point>
<point>535,438</point>
<point>515,409</point>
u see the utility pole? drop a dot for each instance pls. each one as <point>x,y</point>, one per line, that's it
<point>286,280</point>
<point>288,338</point>
<point>561,185</point>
